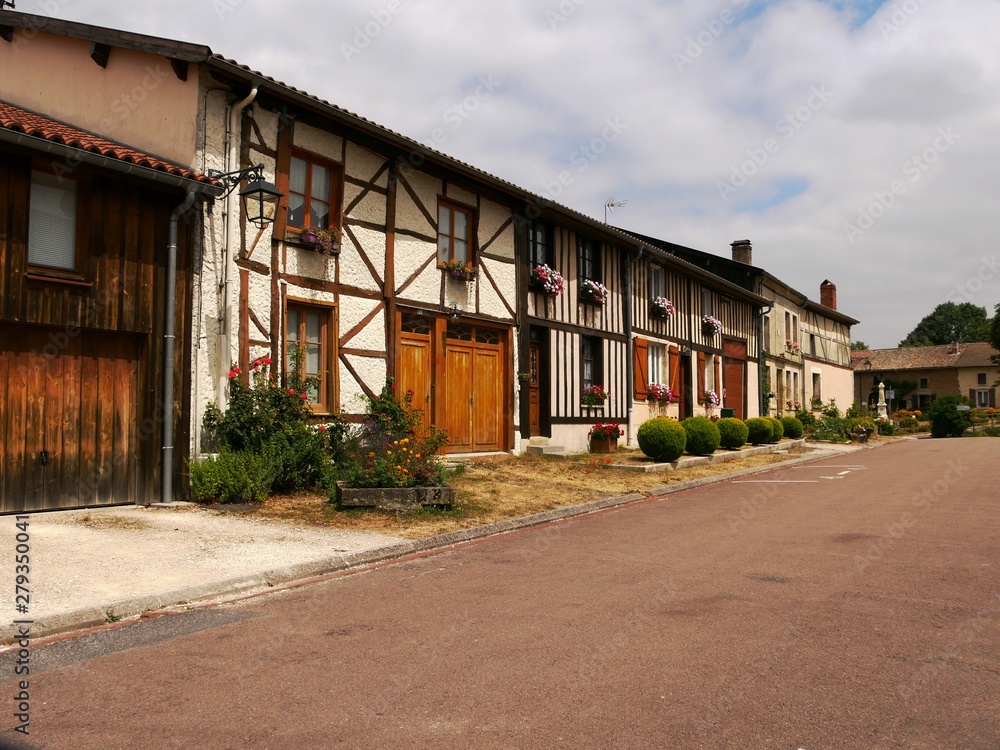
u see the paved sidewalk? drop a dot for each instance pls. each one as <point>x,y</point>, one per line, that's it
<point>88,567</point>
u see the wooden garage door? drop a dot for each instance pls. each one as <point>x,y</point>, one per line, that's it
<point>67,419</point>
<point>473,388</point>
<point>735,375</point>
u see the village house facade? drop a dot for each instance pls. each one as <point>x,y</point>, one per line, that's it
<point>385,260</point>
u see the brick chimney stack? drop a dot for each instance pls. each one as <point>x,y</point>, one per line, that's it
<point>828,295</point>
<point>742,252</point>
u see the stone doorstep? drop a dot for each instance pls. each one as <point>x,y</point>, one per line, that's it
<point>546,450</point>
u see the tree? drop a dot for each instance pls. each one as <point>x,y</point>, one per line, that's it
<point>858,346</point>
<point>950,322</point>
<point>994,339</point>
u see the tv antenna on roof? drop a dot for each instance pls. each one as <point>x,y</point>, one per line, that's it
<point>612,204</point>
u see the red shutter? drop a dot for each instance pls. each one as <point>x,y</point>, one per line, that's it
<point>674,358</point>
<point>640,367</point>
<point>701,377</point>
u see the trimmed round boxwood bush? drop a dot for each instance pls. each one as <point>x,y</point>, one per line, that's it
<point>792,426</point>
<point>733,432</point>
<point>662,438</point>
<point>758,430</point>
<point>777,429</point>
<point>702,436</point>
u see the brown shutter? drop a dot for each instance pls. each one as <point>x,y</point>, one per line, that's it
<point>701,377</point>
<point>674,362</point>
<point>640,367</point>
<point>993,397</point>
<point>972,397</point>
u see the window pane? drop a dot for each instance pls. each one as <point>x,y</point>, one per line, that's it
<point>312,360</point>
<point>314,327</point>
<point>461,225</point>
<point>444,249</point>
<point>297,175</point>
<point>296,210</point>
<point>320,183</point>
<point>52,222</point>
<point>319,213</point>
<point>444,220</point>
<point>461,251</point>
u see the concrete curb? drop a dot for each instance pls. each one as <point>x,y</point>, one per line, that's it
<point>93,616</point>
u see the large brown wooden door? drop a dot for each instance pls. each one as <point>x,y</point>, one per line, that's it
<point>734,376</point>
<point>534,395</point>
<point>67,419</point>
<point>415,369</point>
<point>473,400</point>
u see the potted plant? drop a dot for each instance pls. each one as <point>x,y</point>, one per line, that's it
<point>604,437</point>
<point>594,395</point>
<point>660,393</point>
<point>792,346</point>
<point>546,280</point>
<point>710,326</point>
<point>662,307</point>
<point>323,240</point>
<point>711,400</point>
<point>593,291</point>
<point>459,271</point>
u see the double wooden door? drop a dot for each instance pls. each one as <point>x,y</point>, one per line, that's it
<point>460,385</point>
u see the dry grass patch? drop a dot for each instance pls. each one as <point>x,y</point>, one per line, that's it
<point>495,488</point>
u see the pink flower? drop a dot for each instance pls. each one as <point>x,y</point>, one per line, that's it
<point>291,391</point>
<point>322,428</point>
<point>304,396</point>
<point>393,386</point>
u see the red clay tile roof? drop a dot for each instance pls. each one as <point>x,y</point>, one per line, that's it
<point>30,123</point>
<point>975,354</point>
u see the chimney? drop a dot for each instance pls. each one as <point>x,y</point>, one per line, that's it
<point>742,252</point>
<point>828,295</point>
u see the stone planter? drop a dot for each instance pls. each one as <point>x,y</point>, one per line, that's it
<point>603,445</point>
<point>401,498</point>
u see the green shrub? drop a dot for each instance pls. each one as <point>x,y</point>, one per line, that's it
<point>793,428</point>
<point>758,430</point>
<point>733,432</point>
<point>946,419</point>
<point>992,432</point>
<point>831,409</point>
<point>777,429</point>
<point>886,427</point>
<point>702,436</point>
<point>233,477</point>
<point>831,429</point>
<point>662,438</point>
<point>805,417</point>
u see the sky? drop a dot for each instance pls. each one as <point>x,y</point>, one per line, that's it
<point>849,140</point>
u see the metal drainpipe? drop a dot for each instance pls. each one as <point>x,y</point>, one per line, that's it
<point>762,401</point>
<point>166,470</point>
<point>227,313</point>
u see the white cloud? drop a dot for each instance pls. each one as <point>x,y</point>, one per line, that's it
<point>898,72</point>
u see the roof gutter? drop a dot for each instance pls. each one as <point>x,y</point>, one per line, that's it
<point>75,156</point>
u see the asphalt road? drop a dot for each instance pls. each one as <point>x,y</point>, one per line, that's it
<point>852,602</point>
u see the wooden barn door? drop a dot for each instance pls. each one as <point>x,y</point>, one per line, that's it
<point>67,419</point>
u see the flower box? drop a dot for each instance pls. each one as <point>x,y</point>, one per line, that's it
<point>593,291</point>
<point>710,326</point>
<point>594,395</point>
<point>604,437</point>
<point>394,498</point>
<point>459,271</point>
<point>603,445</point>
<point>546,281</point>
<point>661,307</point>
